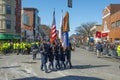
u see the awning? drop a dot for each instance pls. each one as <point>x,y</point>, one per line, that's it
<point>9,36</point>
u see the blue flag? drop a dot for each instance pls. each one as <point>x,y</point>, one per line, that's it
<point>65,40</point>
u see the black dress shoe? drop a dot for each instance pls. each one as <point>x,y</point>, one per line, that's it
<point>42,69</point>
<point>46,71</point>
<point>71,66</point>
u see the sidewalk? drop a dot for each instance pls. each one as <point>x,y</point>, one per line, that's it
<point>111,58</point>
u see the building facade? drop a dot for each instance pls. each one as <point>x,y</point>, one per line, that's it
<point>30,24</point>
<point>8,20</point>
<point>111,22</point>
<point>94,30</point>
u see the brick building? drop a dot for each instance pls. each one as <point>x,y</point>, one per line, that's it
<point>111,23</point>
<point>94,29</point>
<point>30,23</point>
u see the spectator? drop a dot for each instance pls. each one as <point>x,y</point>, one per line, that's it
<point>99,49</point>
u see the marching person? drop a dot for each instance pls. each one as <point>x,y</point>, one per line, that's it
<point>57,56</point>
<point>43,51</point>
<point>68,56</point>
<point>51,57</point>
<point>61,56</point>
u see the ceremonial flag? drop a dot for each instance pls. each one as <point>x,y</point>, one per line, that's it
<point>60,30</point>
<point>65,30</point>
<point>65,40</point>
<point>65,27</point>
<point>98,34</point>
<point>53,33</point>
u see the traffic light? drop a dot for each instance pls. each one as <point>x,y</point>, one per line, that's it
<point>70,3</point>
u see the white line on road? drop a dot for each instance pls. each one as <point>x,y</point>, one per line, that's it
<point>65,74</point>
<point>29,70</point>
<point>61,73</point>
<point>6,76</point>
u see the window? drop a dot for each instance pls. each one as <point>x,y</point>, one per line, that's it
<point>0,24</point>
<point>1,12</point>
<point>105,26</point>
<point>8,9</point>
<point>8,24</point>
<point>0,7</point>
<point>25,19</point>
<point>118,23</point>
<point>113,24</point>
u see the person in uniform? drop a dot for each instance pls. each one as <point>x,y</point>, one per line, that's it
<point>61,56</point>
<point>43,51</point>
<point>51,56</point>
<point>57,56</point>
<point>68,56</point>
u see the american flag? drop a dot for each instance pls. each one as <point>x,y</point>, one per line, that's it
<point>53,33</point>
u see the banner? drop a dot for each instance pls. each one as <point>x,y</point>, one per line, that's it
<point>98,34</point>
<point>104,34</point>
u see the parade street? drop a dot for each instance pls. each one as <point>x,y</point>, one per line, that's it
<point>86,66</point>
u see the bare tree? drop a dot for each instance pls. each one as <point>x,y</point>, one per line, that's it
<point>84,29</point>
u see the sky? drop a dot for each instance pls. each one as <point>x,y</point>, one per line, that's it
<point>82,11</point>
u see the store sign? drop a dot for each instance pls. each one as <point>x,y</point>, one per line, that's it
<point>104,34</point>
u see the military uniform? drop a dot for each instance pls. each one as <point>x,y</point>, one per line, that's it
<point>43,48</point>
<point>57,57</point>
<point>51,57</point>
<point>62,57</point>
<point>68,56</point>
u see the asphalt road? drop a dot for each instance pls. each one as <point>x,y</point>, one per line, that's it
<point>86,66</point>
